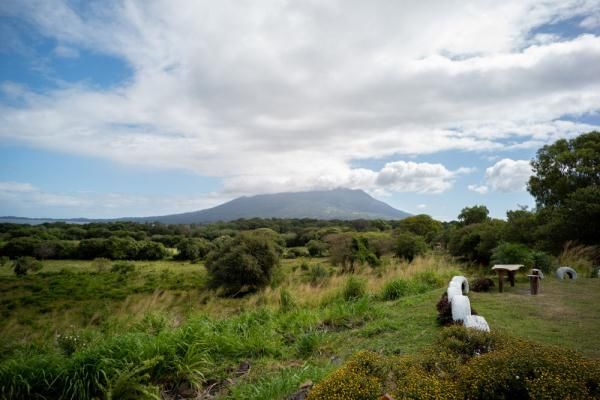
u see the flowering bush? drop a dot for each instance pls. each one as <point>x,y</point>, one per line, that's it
<point>467,364</point>
<point>360,379</point>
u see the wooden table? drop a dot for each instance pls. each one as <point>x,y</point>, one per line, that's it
<point>510,269</point>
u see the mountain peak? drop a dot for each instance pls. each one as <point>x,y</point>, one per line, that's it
<point>339,203</point>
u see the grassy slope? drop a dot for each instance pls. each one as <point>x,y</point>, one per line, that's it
<point>565,313</point>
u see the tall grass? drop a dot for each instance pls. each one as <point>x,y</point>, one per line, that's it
<point>579,257</point>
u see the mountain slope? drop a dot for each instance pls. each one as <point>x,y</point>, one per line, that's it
<point>343,204</point>
<point>325,204</point>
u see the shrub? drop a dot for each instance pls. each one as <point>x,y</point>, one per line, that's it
<point>525,370</point>
<point>296,252</point>
<point>23,265</point>
<point>354,288</point>
<point>467,343</point>
<point>122,268</point>
<point>360,379</point>
<point>318,274</point>
<point>543,261</point>
<point>429,280</point>
<point>414,382</point>
<point>512,253</point>
<point>396,289</point>
<point>192,249</point>
<point>316,248</point>
<point>409,245</point>
<point>101,264</point>
<point>243,264</point>
<point>481,285</point>
<point>308,344</point>
<point>444,310</point>
<point>286,301</point>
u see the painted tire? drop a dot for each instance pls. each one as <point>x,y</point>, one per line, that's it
<point>567,272</point>
<point>461,282</point>
<point>477,322</point>
<point>452,292</point>
<point>461,308</point>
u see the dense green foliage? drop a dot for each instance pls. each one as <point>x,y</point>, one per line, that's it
<point>409,245</point>
<point>243,264</point>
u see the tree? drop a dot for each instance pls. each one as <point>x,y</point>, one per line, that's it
<point>521,227</point>
<point>243,264</point>
<point>566,187</point>
<point>422,225</point>
<point>409,245</point>
<point>475,242</point>
<point>512,253</point>
<point>562,168</point>
<point>347,250</point>
<point>473,215</point>
<point>23,265</point>
<point>316,248</point>
<point>192,249</point>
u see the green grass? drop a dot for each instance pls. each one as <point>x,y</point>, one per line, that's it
<point>563,313</point>
<point>178,331</point>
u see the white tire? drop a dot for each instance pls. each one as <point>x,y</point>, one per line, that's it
<point>461,308</point>
<point>566,272</point>
<point>476,322</point>
<point>453,291</point>
<point>462,283</point>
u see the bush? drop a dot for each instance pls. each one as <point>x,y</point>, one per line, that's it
<point>296,252</point>
<point>308,343</point>
<point>524,370</point>
<point>444,310</point>
<point>512,253</point>
<point>318,274</point>
<point>243,264</point>
<point>396,289</point>
<point>481,285</point>
<point>122,268</point>
<point>286,301</point>
<point>360,379</point>
<point>316,248</point>
<point>467,343</point>
<point>543,261</point>
<point>409,245</point>
<point>354,288</point>
<point>467,364</point>
<point>101,264</point>
<point>23,265</point>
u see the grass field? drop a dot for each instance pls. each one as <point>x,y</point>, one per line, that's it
<point>283,344</point>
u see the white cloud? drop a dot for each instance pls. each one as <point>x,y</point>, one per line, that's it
<point>277,96</point>
<point>508,175</point>
<point>481,189</point>
<point>421,206</point>
<point>24,198</point>
<point>592,21</point>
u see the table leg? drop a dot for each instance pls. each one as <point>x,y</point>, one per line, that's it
<point>511,278</point>
<point>500,280</point>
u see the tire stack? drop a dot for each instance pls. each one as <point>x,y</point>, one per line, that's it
<point>458,288</point>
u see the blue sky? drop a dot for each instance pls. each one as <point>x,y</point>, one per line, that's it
<point>134,108</point>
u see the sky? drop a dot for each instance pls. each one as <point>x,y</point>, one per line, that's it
<point>137,108</point>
